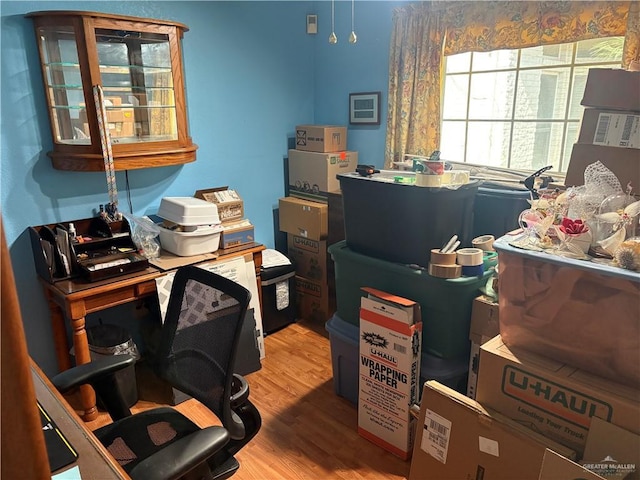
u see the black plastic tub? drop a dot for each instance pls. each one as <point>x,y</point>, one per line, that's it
<point>401,222</point>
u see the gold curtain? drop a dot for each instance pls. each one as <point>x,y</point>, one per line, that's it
<point>423,33</point>
<point>414,83</point>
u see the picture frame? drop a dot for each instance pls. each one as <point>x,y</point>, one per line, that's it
<point>364,108</point>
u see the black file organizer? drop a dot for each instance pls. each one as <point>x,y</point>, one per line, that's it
<point>109,242</point>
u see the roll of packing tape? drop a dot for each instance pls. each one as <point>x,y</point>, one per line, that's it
<point>445,271</point>
<point>483,242</point>
<point>440,258</point>
<point>472,270</point>
<point>469,256</point>
<point>489,259</point>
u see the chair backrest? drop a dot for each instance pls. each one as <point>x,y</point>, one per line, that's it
<point>200,337</point>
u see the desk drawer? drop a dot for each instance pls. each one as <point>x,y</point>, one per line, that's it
<point>119,296</point>
<point>146,288</point>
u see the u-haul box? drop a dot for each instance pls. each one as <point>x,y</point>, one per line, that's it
<point>390,333</point>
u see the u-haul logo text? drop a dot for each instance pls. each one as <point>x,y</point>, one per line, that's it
<point>306,244</point>
<point>553,398</point>
<point>309,288</point>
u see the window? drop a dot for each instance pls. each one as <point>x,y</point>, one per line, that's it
<point>521,108</point>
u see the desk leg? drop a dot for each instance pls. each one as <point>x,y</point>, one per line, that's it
<point>59,333</point>
<point>81,349</point>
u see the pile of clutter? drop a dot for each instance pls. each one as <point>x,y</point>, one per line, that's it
<point>596,221</point>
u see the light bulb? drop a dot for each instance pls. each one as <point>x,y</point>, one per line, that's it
<point>333,39</point>
<point>353,38</point>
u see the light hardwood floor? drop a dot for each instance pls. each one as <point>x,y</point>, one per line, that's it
<point>308,431</point>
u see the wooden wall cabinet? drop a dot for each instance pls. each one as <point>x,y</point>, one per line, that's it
<point>138,64</point>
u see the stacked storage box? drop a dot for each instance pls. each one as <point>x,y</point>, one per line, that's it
<point>319,156</point>
<point>545,408</point>
<point>445,306</point>
<point>237,231</point>
<point>569,346</point>
<point>561,380</point>
<point>610,129</point>
<point>387,226</point>
<point>390,229</point>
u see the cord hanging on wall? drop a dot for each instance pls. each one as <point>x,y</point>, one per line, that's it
<point>333,39</point>
<point>353,38</point>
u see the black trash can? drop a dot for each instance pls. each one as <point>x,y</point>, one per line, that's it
<point>278,297</point>
<point>108,340</point>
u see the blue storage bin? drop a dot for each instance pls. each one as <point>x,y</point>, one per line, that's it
<point>344,339</point>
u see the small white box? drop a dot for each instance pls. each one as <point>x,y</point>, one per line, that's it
<point>203,239</point>
<point>188,211</point>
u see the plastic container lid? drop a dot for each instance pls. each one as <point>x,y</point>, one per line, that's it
<point>501,245</point>
<point>188,211</point>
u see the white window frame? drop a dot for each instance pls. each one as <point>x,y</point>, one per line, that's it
<point>562,163</point>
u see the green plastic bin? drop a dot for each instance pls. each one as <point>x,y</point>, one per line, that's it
<point>445,303</point>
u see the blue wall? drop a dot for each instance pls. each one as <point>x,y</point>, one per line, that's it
<point>252,74</point>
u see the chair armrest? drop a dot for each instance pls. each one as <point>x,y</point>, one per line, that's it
<point>182,456</point>
<point>90,372</point>
<point>101,375</point>
<point>239,391</point>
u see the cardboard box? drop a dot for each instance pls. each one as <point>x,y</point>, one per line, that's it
<point>118,119</point>
<point>611,451</point>
<point>120,115</point>
<point>309,256</point>
<point>610,128</point>
<point>612,88</point>
<point>230,205</point>
<point>390,334</point>
<point>623,162</point>
<point>458,438</point>
<point>303,218</point>
<point>313,175</point>
<point>239,232</point>
<point>555,466</point>
<point>312,300</point>
<point>484,319</point>
<point>484,326</point>
<point>321,138</point>
<point>550,397</point>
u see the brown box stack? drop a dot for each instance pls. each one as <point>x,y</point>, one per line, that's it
<point>320,154</point>
<point>237,230</point>
<point>305,223</point>
<point>610,128</point>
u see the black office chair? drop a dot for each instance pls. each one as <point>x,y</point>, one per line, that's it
<point>197,348</point>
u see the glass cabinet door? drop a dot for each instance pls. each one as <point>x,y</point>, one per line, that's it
<point>137,63</point>
<point>63,83</point>
<point>136,77</point>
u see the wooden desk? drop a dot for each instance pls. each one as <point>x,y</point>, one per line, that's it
<point>94,461</point>
<point>74,299</point>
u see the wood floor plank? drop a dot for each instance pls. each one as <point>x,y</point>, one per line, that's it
<point>308,431</point>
